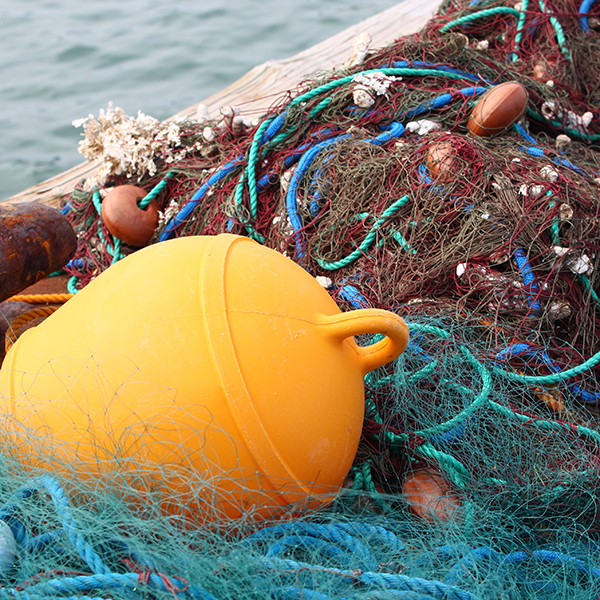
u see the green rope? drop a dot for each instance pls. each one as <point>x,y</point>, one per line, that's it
<point>554,227</point>
<point>366,243</point>
<point>97,201</point>
<point>280,137</point>
<point>544,423</point>
<point>584,279</point>
<point>560,36</point>
<point>480,400</point>
<point>590,363</point>
<point>520,28</point>
<point>455,470</point>
<point>253,154</point>
<point>574,133</point>
<point>72,285</point>
<point>155,191</point>
<point>482,14</point>
<point>250,170</point>
<point>587,284</point>
<point>115,250</point>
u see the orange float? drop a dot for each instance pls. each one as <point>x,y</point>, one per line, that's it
<point>430,496</point>
<point>498,109</point>
<point>125,219</point>
<point>441,159</point>
<point>212,374</point>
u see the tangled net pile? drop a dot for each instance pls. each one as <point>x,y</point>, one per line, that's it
<point>491,255</point>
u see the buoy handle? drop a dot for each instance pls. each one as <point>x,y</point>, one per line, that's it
<point>370,320</point>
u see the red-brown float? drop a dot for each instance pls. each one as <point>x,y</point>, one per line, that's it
<point>498,110</point>
<point>125,219</point>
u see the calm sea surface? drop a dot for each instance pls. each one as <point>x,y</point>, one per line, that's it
<point>63,59</point>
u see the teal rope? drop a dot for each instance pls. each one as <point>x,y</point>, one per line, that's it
<point>366,243</point>
<point>482,14</point>
<point>97,201</point>
<point>545,424</point>
<point>587,284</point>
<point>253,154</point>
<point>72,285</point>
<point>590,363</point>
<point>280,137</point>
<point>520,28</point>
<point>115,250</point>
<point>560,36</point>
<point>455,470</point>
<point>574,133</point>
<point>155,191</point>
<point>480,400</point>
<point>251,169</point>
<point>585,281</point>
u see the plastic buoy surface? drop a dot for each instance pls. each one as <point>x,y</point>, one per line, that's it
<point>430,496</point>
<point>125,219</point>
<point>35,240</point>
<point>498,109</point>
<point>214,370</point>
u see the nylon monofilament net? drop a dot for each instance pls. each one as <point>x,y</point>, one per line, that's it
<point>477,473</point>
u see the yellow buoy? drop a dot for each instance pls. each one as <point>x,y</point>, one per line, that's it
<point>211,374</point>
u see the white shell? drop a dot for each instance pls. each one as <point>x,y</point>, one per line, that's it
<point>549,174</point>
<point>324,281</point>
<point>202,113</point>
<point>208,134</point>
<point>362,97</point>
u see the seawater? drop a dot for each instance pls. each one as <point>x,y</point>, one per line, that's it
<point>61,60</point>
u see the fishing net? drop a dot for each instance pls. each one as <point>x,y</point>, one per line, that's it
<point>477,473</point>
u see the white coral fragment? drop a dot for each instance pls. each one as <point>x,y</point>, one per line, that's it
<point>550,110</point>
<point>378,82</point>
<point>562,140</point>
<point>575,262</point>
<point>202,113</point>
<point>532,191</point>
<point>124,145</point>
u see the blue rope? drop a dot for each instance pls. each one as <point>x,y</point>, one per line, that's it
<point>91,558</point>
<point>388,581</point>
<point>443,100</point>
<point>393,130</point>
<point>345,541</point>
<point>523,349</point>
<point>539,152</point>
<point>328,539</point>
<point>78,263</point>
<point>352,295</point>
<point>301,169</point>
<point>583,10</point>
<point>191,204</point>
<point>419,64</point>
<point>526,272</point>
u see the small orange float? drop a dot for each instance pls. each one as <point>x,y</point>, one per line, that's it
<point>125,219</point>
<point>498,109</point>
<point>441,159</point>
<point>430,496</point>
